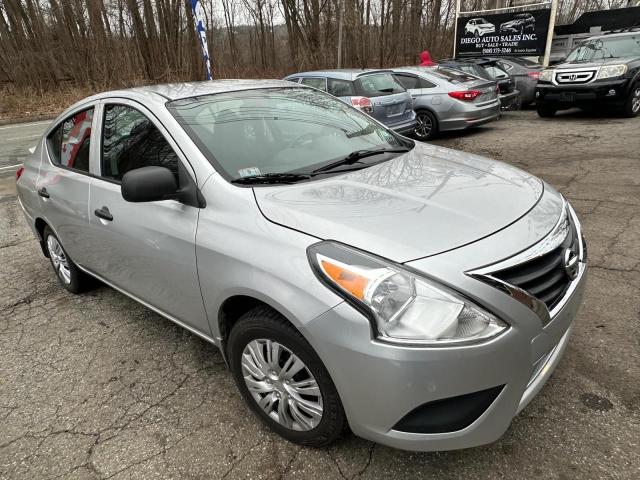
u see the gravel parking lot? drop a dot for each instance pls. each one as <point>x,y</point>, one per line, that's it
<point>97,386</point>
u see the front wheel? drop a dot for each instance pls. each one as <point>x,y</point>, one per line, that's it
<point>631,107</point>
<point>427,126</point>
<point>283,380</point>
<point>546,110</point>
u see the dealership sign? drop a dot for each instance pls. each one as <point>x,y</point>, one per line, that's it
<point>522,33</point>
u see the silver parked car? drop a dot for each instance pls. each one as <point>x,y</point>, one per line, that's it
<point>375,92</point>
<point>446,99</point>
<point>349,275</point>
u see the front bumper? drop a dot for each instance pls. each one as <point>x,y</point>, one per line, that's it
<point>611,92</point>
<point>380,383</point>
<point>472,116</point>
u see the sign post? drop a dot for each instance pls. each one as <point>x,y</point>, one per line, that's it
<point>455,31</point>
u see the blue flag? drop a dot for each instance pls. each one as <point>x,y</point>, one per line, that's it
<point>198,15</point>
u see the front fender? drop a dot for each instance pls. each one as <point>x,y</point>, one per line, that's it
<point>240,252</point>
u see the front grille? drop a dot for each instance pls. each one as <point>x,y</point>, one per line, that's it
<point>543,277</point>
<point>575,77</point>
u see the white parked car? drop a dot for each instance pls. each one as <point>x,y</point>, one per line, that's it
<point>479,27</point>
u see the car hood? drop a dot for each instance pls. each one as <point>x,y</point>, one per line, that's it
<point>596,64</point>
<point>427,201</point>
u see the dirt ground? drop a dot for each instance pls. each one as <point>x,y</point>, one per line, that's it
<point>97,386</point>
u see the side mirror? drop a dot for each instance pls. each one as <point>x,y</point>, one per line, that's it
<point>148,184</point>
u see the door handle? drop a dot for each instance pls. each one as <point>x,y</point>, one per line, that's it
<point>43,193</point>
<point>103,213</point>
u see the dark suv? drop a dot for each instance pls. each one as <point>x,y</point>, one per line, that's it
<point>603,71</point>
<point>521,23</point>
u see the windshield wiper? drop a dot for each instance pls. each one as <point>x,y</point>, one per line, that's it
<point>356,156</point>
<point>272,178</point>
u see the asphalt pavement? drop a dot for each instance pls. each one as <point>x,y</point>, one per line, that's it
<point>15,141</point>
<point>97,386</point>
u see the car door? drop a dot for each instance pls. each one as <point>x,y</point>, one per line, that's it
<point>146,249</point>
<point>64,179</point>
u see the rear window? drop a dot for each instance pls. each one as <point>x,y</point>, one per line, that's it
<point>378,85</point>
<point>453,76</point>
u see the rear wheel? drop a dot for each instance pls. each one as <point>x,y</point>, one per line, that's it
<point>546,110</point>
<point>283,380</point>
<point>427,126</point>
<point>68,274</point>
<point>631,107</point>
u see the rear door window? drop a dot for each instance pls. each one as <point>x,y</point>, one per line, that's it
<point>378,85</point>
<point>422,83</point>
<point>407,81</point>
<point>70,142</point>
<point>315,82</point>
<point>130,140</point>
<point>341,88</point>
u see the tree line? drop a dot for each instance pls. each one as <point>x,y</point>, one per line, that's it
<point>120,43</point>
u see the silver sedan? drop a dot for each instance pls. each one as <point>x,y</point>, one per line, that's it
<point>349,275</point>
<point>445,99</point>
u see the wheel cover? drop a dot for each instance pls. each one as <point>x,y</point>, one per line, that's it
<point>282,385</point>
<point>59,259</point>
<point>635,101</point>
<point>425,125</point>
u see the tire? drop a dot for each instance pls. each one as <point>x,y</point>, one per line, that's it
<point>427,127</point>
<point>255,329</point>
<point>631,107</point>
<point>68,274</point>
<point>546,110</point>
<point>477,33</point>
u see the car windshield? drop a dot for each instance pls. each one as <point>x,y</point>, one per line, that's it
<point>482,20</point>
<point>278,130</point>
<point>604,48</point>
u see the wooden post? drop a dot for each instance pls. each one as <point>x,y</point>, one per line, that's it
<point>455,28</point>
<point>552,24</point>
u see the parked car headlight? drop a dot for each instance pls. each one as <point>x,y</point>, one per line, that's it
<point>546,75</point>
<point>403,307</point>
<point>610,71</point>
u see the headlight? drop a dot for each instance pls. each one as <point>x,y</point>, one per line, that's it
<point>546,75</point>
<point>610,71</point>
<point>403,307</point>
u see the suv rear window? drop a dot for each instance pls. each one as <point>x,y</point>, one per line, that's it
<point>378,85</point>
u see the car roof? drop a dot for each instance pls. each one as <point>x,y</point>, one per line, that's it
<point>634,31</point>
<point>341,74</point>
<point>414,69</point>
<point>164,92</point>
